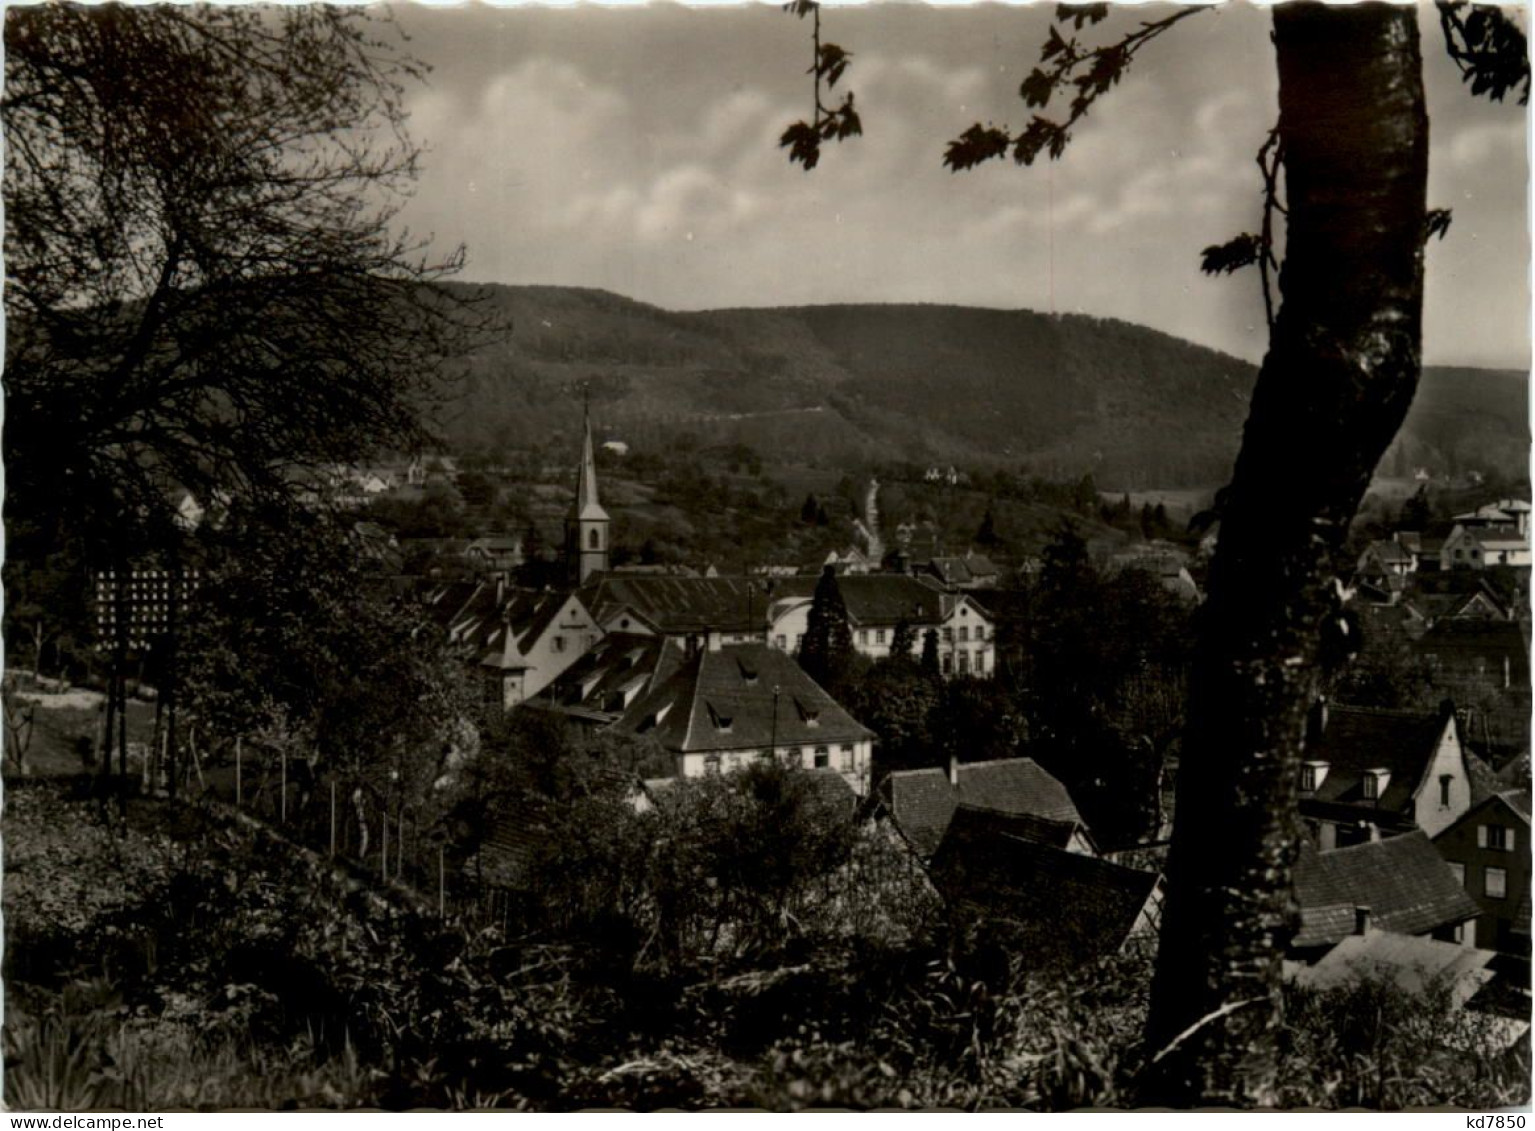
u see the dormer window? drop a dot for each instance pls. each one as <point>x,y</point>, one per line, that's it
<point>721,722</point>
<point>808,715</point>
<point>1312,774</point>
<point>1374,783</point>
<point>749,675</point>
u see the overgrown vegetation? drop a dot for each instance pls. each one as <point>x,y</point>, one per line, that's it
<point>751,946</point>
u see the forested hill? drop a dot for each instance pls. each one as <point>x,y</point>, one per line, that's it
<point>1059,395</point>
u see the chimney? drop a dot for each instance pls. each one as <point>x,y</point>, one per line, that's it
<point>954,771</point>
<point>1361,919</point>
<point>1316,720</point>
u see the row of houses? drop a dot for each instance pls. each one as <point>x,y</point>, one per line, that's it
<point>1497,534</point>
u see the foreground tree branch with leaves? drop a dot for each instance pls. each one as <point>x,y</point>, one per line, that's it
<point>203,284</point>
<point>1341,369</point>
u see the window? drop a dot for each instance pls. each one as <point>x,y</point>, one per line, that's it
<point>980,632</point>
<point>782,641</point>
<point>1494,883</point>
<point>1444,788</point>
<point>847,759</point>
<point>1371,785</point>
<point>948,635</point>
<point>964,634</point>
<point>1459,871</point>
<point>948,664</point>
<point>712,764</point>
<point>594,540</point>
<point>557,643</point>
<point>879,636</point>
<point>964,663</point>
<point>822,757</point>
<point>1494,837</point>
<point>799,641</point>
<point>863,636</point>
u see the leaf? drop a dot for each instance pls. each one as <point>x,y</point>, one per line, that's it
<point>1053,46</point>
<point>977,144</point>
<point>1230,257</point>
<point>803,144</point>
<point>1037,88</point>
<point>801,8</point>
<point>1082,14</point>
<point>831,63</point>
<point>1436,223</point>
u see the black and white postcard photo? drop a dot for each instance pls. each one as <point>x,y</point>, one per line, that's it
<point>797,557</point>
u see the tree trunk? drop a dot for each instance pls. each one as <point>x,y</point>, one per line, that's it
<point>1341,369</point>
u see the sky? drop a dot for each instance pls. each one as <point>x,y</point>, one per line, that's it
<point>635,150</point>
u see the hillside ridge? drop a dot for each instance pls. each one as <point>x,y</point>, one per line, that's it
<point>1058,395</point>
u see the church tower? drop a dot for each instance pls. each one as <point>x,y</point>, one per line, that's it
<point>586,530</point>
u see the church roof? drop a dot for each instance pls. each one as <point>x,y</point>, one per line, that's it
<point>587,506</point>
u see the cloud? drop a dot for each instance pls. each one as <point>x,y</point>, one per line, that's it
<point>638,152</point>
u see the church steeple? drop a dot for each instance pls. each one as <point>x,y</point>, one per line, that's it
<point>587,529</point>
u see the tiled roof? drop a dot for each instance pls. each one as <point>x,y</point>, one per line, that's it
<point>681,604</point>
<point>1390,552</point>
<point>1040,830</point>
<point>1519,801</point>
<point>1403,880</point>
<point>724,700</point>
<point>1015,785</point>
<point>611,676</point>
<point>509,631</point>
<point>1070,906</point>
<point>922,802</point>
<point>1357,739</point>
<point>1484,783</point>
<point>875,599</point>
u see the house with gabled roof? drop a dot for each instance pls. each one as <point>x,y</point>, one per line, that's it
<point>879,603</point>
<point>971,571</point>
<point>1482,547</point>
<point>726,707</point>
<point>694,612</point>
<point>1369,773</point>
<point>1488,849</point>
<point>519,640</point>
<point>1385,557</point>
<point>1054,906</point>
<point>922,803</point>
<point>1400,884</point>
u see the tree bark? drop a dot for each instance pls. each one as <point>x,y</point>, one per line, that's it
<point>1340,373</point>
